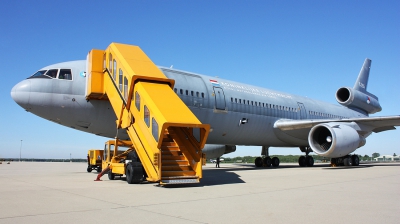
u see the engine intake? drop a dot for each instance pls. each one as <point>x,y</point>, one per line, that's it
<point>334,140</point>
<point>356,99</point>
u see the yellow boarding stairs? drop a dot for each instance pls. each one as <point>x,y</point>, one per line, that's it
<point>165,134</point>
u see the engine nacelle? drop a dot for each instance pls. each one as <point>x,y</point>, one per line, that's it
<point>214,151</point>
<point>353,98</point>
<point>334,140</point>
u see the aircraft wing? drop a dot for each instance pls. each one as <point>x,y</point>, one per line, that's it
<point>374,124</point>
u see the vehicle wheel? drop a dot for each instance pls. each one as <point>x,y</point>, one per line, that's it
<point>267,161</point>
<point>134,173</point>
<point>258,162</point>
<point>111,176</point>
<point>355,160</point>
<point>309,161</point>
<point>98,169</point>
<point>89,169</point>
<point>275,162</point>
<point>302,161</point>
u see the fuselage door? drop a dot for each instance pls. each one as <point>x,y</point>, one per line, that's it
<point>219,98</point>
<point>303,113</point>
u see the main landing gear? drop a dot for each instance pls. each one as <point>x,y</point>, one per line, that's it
<point>266,161</point>
<point>349,160</point>
<point>306,160</point>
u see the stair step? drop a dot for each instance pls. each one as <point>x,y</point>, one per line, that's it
<point>170,147</point>
<point>173,157</point>
<point>177,173</point>
<point>171,153</point>
<point>174,162</point>
<point>169,144</point>
<point>177,168</point>
<point>179,181</point>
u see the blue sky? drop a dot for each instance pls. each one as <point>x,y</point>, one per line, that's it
<point>308,48</point>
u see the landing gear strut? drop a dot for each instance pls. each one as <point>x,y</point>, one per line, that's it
<point>306,160</point>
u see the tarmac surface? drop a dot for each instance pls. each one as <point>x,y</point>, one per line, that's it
<point>49,192</point>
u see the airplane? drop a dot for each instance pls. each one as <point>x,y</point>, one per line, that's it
<point>239,114</point>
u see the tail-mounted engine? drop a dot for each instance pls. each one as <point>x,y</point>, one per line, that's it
<point>355,99</point>
<point>334,140</point>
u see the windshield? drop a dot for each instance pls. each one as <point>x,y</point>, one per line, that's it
<point>64,74</point>
<point>40,74</point>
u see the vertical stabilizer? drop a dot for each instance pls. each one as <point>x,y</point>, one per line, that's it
<point>362,80</point>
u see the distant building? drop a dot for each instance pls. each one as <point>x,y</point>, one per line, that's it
<point>387,158</point>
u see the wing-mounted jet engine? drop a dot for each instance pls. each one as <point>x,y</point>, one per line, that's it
<point>334,139</point>
<point>214,151</point>
<point>357,98</point>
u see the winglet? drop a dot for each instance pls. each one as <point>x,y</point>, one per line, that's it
<point>362,80</point>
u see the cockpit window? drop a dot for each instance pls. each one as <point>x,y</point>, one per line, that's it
<point>39,74</point>
<point>65,74</point>
<point>52,73</point>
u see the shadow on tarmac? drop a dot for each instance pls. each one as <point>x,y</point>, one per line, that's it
<point>221,176</point>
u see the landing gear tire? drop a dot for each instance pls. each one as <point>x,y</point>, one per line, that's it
<point>134,173</point>
<point>347,161</point>
<point>309,161</point>
<point>275,161</point>
<point>258,162</point>
<point>98,169</point>
<point>302,161</point>
<point>111,176</point>
<point>355,160</point>
<point>267,161</point>
<point>89,169</point>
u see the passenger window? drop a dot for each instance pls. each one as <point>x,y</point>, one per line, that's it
<point>202,95</point>
<point>154,128</point>
<point>146,116</point>
<point>231,99</point>
<point>181,91</point>
<point>187,92</point>
<point>115,69</point>
<point>175,90</point>
<point>197,94</point>
<point>137,101</point>
<point>240,100</point>
<point>65,74</point>
<point>52,73</point>
<point>120,80</point>
<point>104,61</point>
<point>192,93</point>
<point>110,62</point>
<point>126,88</point>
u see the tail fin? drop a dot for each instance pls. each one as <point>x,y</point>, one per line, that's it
<point>362,80</point>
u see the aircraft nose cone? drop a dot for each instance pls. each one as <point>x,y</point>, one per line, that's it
<point>20,93</point>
